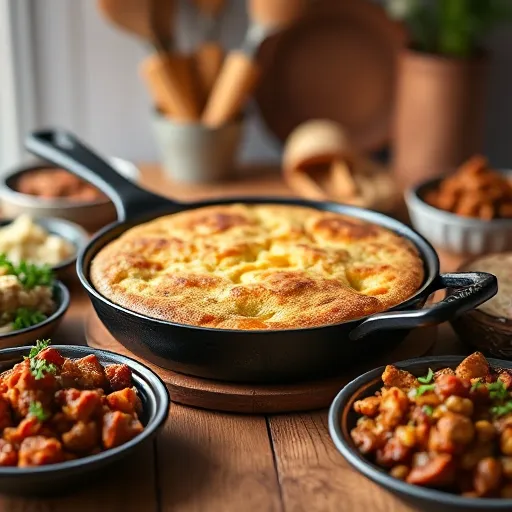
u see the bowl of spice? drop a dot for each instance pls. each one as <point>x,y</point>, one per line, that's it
<point>45,191</point>
<point>468,212</point>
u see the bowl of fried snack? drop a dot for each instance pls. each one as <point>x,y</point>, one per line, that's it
<point>467,212</point>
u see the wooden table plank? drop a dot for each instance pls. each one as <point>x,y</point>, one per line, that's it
<point>314,476</point>
<point>216,462</point>
<point>127,487</point>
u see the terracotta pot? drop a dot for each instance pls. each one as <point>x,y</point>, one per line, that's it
<point>439,114</point>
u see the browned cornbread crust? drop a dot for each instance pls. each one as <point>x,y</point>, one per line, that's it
<point>260,266</point>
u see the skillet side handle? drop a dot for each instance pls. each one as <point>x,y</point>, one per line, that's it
<point>466,291</point>
<point>64,149</point>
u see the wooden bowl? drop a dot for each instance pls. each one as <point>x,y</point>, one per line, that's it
<point>339,62</point>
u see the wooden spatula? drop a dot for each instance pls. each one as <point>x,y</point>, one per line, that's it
<point>209,55</point>
<point>151,21</point>
<point>240,73</point>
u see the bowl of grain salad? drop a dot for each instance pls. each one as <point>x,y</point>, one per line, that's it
<point>32,302</point>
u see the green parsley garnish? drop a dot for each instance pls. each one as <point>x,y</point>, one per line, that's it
<point>428,410</point>
<point>39,368</point>
<point>25,317</point>
<point>424,388</point>
<point>497,390</point>
<point>428,378</point>
<point>40,346</point>
<point>501,410</point>
<point>36,409</point>
<point>477,384</point>
<point>28,274</point>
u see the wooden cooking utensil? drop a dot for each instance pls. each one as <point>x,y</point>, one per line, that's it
<point>209,55</point>
<point>151,20</point>
<point>240,72</point>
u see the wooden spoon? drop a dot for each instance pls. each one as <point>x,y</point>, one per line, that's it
<point>209,55</point>
<point>151,20</point>
<point>240,73</point>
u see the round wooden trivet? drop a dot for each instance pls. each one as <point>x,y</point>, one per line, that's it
<point>258,398</point>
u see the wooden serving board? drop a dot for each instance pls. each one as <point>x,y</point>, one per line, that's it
<point>258,398</point>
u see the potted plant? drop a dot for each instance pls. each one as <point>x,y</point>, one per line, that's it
<point>440,105</point>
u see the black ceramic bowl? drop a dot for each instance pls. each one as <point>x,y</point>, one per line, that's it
<point>342,419</point>
<point>44,329</point>
<point>58,478</point>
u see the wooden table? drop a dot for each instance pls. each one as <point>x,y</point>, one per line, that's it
<point>208,461</point>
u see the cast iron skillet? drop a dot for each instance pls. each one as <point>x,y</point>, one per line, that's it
<point>251,356</point>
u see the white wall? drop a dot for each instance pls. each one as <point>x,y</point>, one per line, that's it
<point>86,75</point>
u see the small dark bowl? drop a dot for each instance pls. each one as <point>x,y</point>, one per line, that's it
<point>491,335</point>
<point>66,476</point>
<point>342,419</point>
<point>67,230</point>
<point>44,329</point>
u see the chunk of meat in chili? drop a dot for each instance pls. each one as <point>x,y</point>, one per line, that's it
<point>8,454</point>
<point>83,437</point>
<point>448,385</point>
<point>28,427</point>
<point>119,376</point>
<point>473,367</point>
<point>438,471</point>
<point>452,434</point>
<point>367,440</point>
<point>393,406</point>
<point>80,405</point>
<point>393,452</point>
<point>39,450</point>
<point>393,377</point>
<point>5,413</point>
<point>21,400</point>
<point>84,373</point>
<point>126,400</point>
<point>118,428</point>
<point>51,355</point>
<point>487,476</point>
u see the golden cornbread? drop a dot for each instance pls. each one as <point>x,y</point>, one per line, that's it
<point>261,266</point>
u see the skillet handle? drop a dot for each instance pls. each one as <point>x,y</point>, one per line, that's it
<point>65,150</point>
<point>466,291</point>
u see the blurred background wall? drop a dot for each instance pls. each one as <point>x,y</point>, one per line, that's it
<point>85,78</point>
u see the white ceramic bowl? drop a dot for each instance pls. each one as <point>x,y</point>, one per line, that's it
<point>91,215</point>
<point>454,233</point>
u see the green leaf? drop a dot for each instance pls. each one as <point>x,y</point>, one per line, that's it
<point>424,388</point>
<point>25,317</point>
<point>428,409</point>
<point>477,384</point>
<point>36,409</point>
<point>39,368</point>
<point>28,274</point>
<point>39,347</point>
<point>501,410</point>
<point>497,390</point>
<point>428,378</point>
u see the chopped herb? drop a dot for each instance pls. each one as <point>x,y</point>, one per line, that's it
<point>40,346</point>
<point>501,410</point>
<point>39,368</point>
<point>428,378</point>
<point>28,274</point>
<point>424,388</point>
<point>497,390</point>
<point>428,410</point>
<point>477,384</point>
<point>36,409</point>
<point>25,317</point>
